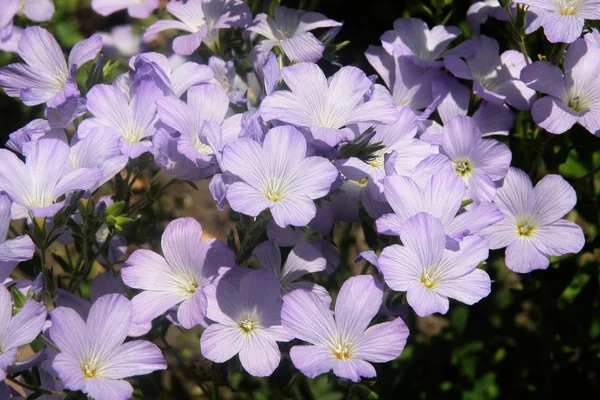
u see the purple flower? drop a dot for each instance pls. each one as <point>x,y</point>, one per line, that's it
<point>227,79</point>
<point>398,137</point>
<point>430,273</point>
<point>93,357</point>
<point>202,19</point>
<point>247,322</point>
<point>278,176</point>
<point>345,344</point>
<point>412,37</point>
<point>290,31</point>
<point>121,41</point>
<point>46,78</point>
<point>180,277</point>
<point>313,234</point>
<point>12,251</point>
<point>563,19</point>
<point>440,195</point>
<point>495,78</point>
<point>174,164</point>
<point>533,228</point>
<point>481,163</point>
<point>202,124</point>
<point>10,43</point>
<point>172,79</point>
<point>574,96</point>
<point>303,259</point>
<point>409,83</point>
<point>326,106</point>
<point>39,181</point>
<point>130,120</point>
<point>136,8</point>
<point>35,10</point>
<point>17,330</point>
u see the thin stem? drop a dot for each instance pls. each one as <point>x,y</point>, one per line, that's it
<point>521,41</point>
<point>36,389</point>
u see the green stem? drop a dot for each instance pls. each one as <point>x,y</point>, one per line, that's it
<point>521,40</point>
<point>48,343</point>
<point>37,389</point>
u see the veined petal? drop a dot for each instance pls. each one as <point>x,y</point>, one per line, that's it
<point>426,301</point>
<point>138,357</point>
<point>220,343</point>
<point>400,266</point>
<point>382,342</point>
<point>107,324</point>
<point>357,304</point>
<point>306,317</point>
<point>84,51</point>
<point>468,289</point>
<point>312,361</point>
<point>522,256</point>
<point>42,52</point>
<point>558,238</point>
<point>554,198</point>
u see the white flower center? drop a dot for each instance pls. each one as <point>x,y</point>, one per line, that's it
<point>462,168</point>
<point>248,323</point>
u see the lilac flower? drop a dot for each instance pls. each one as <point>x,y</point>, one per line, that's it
<point>202,19</point>
<point>574,96</point>
<point>398,137</point>
<point>180,277</point>
<point>121,41</point>
<point>10,42</point>
<point>12,251</point>
<point>481,163</point>
<point>563,19</point>
<point>136,8</point>
<point>35,10</point>
<point>409,83</point>
<point>412,37</point>
<point>430,273</point>
<point>533,228</point>
<point>99,150</point>
<point>130,120</point>
<point>290,31</point>
<point>227,79</point>
<point>313,234</point>
<point>172,79</point>
<point>440,195</point>
<point>479,12</point>
<point>174,164</point>
<point>93,357</point>
<point>46,78</point>
<point>202,124</point>
<point>326,106</point>
<point>17,330</point>
<point>247,322</point>
<point>302,260</point>
<point>496,78</point>
<point>277,176</point>
<point>345,343</point>
<point>38,182</point>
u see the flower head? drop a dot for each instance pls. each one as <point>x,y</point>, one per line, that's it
<point>46,77</point>
<point>326,106</point>
<point>277,176</point>
<point>345,343</point>
<point>35,10</point>
<point>179,278</point>
<point>135,8</point>
<point>93,357</point>
<point>247,322</point>
<point>429,272</point>
<point>533,228</point>
<point>12,251</point>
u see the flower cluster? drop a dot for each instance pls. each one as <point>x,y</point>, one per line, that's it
<point>292,152</point>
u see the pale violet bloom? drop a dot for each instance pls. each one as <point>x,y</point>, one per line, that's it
<point>189,265</point>
<point>39,181</point>
<point>132,120</point>
<point>227,79</point>
<point>202,19</point>
<point>46,77</point>
<point>34,10</point>
<point>354,191</point>
<point>12,251</point>
<point>326,106</point>
<point>481,163</point>
<point>173,78</point>
<point>277,175</point>
<point>247,319</point>
<point>290,31</point>
<point>93,357</point>
<point>533,229</point>
<point>562,20</point>
<point>342,341</point>
<point>10,43</point>
<point>429,273</point>
<point>303,259</point>
<point>121,41</point>
<point>478,13</point>
<point>202,124</point>
<point>135,8</point>
<point>495,76</point>
<point>398,137</point>
<point>441,195</point>
<point>19,329</point>
<point>173,163</point>
<point>412,37</point>
<point>573,95</point>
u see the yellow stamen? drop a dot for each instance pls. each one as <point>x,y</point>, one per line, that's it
<point>341,352</point>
